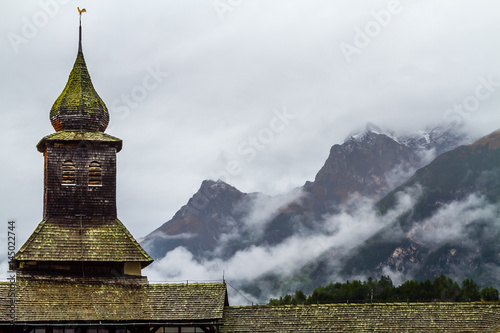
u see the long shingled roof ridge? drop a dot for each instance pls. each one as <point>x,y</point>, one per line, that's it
<point>58,239</point>
<point>67,302</point>
<point>376,317</point>
<point>49,301</point>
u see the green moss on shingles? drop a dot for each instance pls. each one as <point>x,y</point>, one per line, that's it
<point>108,242</point>
<point>79,92</point>
<point>376,317</point>
<point>78,136</point>
<point>71,301</point>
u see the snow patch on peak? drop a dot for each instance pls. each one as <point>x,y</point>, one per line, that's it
<point>437,139</point>
<point>426,135</point>
<point>369,133</point>
<point>214,184</point>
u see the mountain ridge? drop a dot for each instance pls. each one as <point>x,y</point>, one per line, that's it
<point>220,222</point>
<point>213,209</point>
<point>467,177</point>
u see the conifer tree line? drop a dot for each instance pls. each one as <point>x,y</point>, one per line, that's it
<point>442,289</point>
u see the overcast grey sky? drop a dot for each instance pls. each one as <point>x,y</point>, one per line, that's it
<point>253,92</point>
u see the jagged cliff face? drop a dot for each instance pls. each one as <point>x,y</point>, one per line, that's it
<point>220,220</point>
<point>365,165</point>
<point>442,218</point>
<point>198,226</point>
<point>453,226</point>
<point>373,163</point>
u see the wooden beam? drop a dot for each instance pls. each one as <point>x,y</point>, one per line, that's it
<point>155,329</point>
<point>208,329</point>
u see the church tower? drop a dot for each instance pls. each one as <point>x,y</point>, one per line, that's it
<point>80,234</point>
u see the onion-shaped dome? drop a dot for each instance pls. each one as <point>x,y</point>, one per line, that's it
<point>79,107</point>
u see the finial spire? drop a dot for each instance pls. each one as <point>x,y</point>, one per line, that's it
<point>80,11</point>
<point>79,107</point>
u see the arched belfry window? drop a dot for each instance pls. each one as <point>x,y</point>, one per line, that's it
<point>68,173</point>
<point>95,174</point>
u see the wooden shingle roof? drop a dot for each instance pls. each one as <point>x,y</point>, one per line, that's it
<point>79,137</point>
<point>58,301</point>
<point>59,239</point>
<point>394,317</point>
<point>68,302</point>
<point>79,107</point>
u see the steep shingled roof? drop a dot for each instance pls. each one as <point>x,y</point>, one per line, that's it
<point>389,317</point>
<point>57,301</point>
<point>79,107</point>
<point>59,239</point>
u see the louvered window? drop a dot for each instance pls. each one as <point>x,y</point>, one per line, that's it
<point>68,173</point>
<point>95,174</point>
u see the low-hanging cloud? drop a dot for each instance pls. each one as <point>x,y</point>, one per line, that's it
<point>462,229</point>
<point>402,172</point>
<point>333,237</point>
<point>451,221</point>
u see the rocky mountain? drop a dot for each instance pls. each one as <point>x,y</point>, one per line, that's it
<point>374,162</point>
<point>451,225</point>
<point>220,220</point>
<point>198,226</point>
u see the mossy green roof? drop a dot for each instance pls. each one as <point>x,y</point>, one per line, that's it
<point>66,301</point>
<point>388,317</point>
<point>60,239</point>
<point>64,136</point>
<point>79,107</point>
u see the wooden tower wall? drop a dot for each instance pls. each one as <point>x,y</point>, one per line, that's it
<point>82,196</point>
